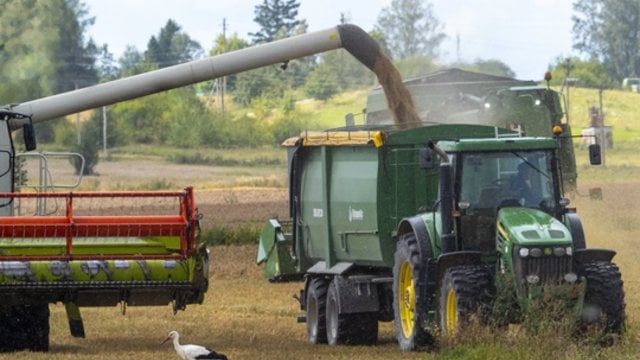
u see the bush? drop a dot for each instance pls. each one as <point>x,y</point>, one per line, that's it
<point>90,145</point>
<point>322,83</point>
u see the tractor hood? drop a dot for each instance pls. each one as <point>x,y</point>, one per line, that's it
<point>524,226</point>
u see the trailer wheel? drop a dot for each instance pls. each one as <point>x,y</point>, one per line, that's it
<point>352,329</point>
<point>603,311</point>
<point>316,305</point>
<point>464,292</point>
<point>409,295</point>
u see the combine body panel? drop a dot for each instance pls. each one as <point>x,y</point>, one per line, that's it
<point>455,96</point>
<point>421,225</point>
<point>84,258</point>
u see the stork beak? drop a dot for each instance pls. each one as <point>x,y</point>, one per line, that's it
<point>165,340</point>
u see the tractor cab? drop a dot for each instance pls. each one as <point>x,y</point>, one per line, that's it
<point>494,174</point>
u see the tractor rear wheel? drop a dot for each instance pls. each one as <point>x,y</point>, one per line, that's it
<point>464,292</point>
<point>352,329</point>
<point>603,309</point>
<point>316,309</point>
<point>410,294</point>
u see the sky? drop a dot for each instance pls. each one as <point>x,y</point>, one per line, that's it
<point>525,35</point>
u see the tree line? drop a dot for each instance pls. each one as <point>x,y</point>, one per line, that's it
<point>44,49</point>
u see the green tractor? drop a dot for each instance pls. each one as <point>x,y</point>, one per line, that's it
<point>422,226</point>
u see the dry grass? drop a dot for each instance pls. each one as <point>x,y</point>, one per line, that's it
<point>246,317</point>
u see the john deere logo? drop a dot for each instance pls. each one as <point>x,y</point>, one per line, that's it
<point>355,214</point>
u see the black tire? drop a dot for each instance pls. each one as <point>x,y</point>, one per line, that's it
<point>603,310</point>
<point>24,327</point>
<point>39,334</point>
<point>316,305</point>
<point>410,295</point>
<point>465,291</point>
<point>351,329</point>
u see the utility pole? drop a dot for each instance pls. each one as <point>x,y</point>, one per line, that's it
<point>104,130</point>
<point>603,135</point>
<point>222,82</point>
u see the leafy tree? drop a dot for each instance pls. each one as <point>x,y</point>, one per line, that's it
<point>277,19</point>
<point>322,83</point>
<point>75,57</point>
<point>414,66</point>
<point>257,83</point>
<point>132,62</point>
<point>172,46</point>
<point>106,64</point>
<point>590,73</point>
<point>89,147</point>
<point>45,51</point>
<point>411,27</point>
<point>609,31</point>
<point>223,45</point>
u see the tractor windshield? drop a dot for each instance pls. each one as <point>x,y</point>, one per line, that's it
<point>489,181</point>
<point>492,180</point>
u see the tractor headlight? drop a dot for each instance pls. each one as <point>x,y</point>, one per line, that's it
<point>570,277</point>
<point>524,252</point>
<point>533,279</point>
<point>559,251</point>
<point>535,252</point>
<point>569,251</point>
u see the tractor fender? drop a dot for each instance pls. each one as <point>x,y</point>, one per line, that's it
<point>577,233</point>
<point>583,256</point>
<point>418,227</point>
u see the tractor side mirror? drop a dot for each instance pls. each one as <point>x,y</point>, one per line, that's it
<point>29,136</point>
<point>595,155</point>
<point>426,158</point>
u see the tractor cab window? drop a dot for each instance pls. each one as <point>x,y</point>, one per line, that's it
<point>489,181</point>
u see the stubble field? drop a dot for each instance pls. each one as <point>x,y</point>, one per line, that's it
<point>246,317</point>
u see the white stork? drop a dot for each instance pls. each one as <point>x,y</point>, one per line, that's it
<point>192,352</point>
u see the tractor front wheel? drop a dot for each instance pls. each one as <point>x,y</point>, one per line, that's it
<point>603,309</point>
<point>465,291</point>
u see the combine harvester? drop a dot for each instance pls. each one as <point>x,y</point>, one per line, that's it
<point>454,96</point>
<point>101,249</point>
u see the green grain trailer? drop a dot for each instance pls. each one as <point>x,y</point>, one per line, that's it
<point>420,226</point>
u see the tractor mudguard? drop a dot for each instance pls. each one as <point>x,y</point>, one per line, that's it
<point>417,226</point>
<point>583,256</point>
<point>577,232</point>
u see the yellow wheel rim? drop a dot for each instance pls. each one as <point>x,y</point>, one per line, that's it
<point>407,299</point>
<point>452,313</point>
